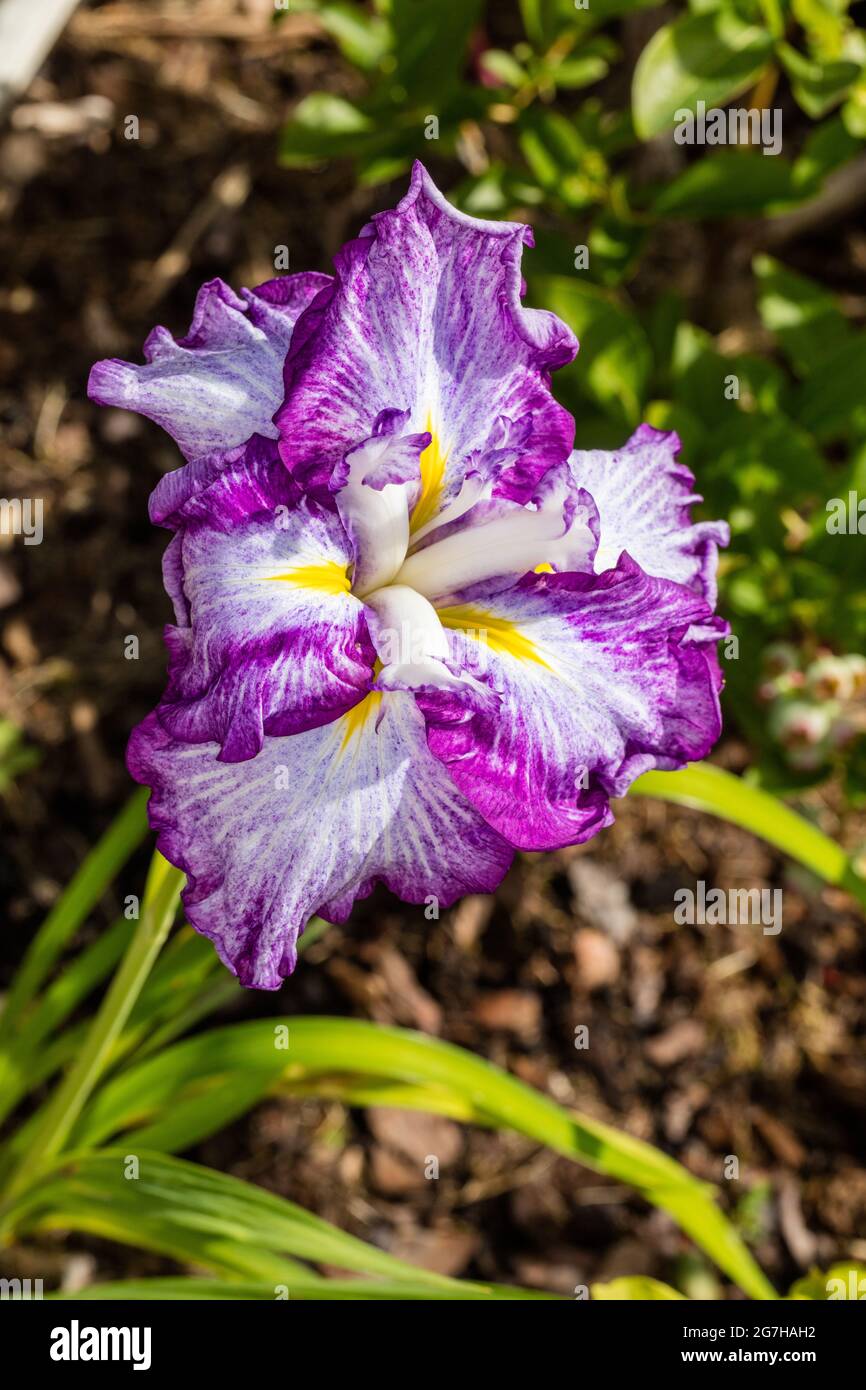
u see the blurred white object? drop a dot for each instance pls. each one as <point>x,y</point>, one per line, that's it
<point>28,32</point>
<point>55,120</point>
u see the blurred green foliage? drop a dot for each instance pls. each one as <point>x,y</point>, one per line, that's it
<point>546,125</point>
<point>15,755</point>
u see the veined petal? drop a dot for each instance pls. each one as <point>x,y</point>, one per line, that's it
<point>601,677</point>
<point>271,639</point>
<point>311,824</point>
<point>500,540</point>
<point>222,382</point>
<point>374,488</point>
<point>425,314</point>
<point>644,497</point>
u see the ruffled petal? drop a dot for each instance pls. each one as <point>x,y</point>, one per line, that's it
<point>270,638</point>
<point>424,315</point>
<point>601,677</point>
<point>644,497</point>
<point>222,382</point>
<point>311,824</point>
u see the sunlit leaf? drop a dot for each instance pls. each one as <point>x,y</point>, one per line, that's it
<point>153,1098</point>
<point>202,1217</point>
<point>635,1287</point>
<point>708,57</point>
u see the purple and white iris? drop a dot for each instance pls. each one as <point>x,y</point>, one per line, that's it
<point>413,630</point>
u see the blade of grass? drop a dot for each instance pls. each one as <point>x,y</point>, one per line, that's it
<point>708,788</point>
<point>99,869</point>
<point>205,1218</point>
<point>303,1288</point>
<point>21,1056</point>
<point>178,982</point>
<point>176,996</point>
<point>161,897</point>
<point>170,1094</point>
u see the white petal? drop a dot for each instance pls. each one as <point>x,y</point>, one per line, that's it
<point>411,643</point>
<point>376,518</point>
<point>510,544</point>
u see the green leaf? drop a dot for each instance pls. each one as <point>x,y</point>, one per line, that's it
<point>99,870</point>
<point>711,789</point>
<point>580,71</point>
<point>19,1057</point>
<point>824,24</point>
<point>16,756</point>
<point>817,86</point>
<point>632,1288</point>
<point>846,1280</point>
<point>708,57</point>
<point>729,182</point>
<point>362,38</point>
<point>430,44</point>
<point>854,111</point>
<point>564,163</point>
<point>330,1056</point>
<point>205,1218</point>
<point>56,1119</point>
<point>826,148</point>
<point>598,11</point>
<point>703,380</point>
<point>540,19</point>
<point>325,126</point>
<point>804,317</point>
<point>831,402</point>
<point>615,358</point>
<point>614,247</point>
<point>503,66</point>
<point>303,1287</point>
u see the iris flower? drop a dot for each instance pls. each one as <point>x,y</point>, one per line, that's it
<point>414,631</point>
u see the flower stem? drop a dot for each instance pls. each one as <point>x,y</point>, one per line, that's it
<point>161,895</point>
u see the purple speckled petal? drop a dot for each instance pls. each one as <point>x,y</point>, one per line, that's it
<point>644,498</point>
<point>424,316</point>
<point>311,824</point>
<point>601,677</point>
<point>270,639</point>
<point>222,382</point>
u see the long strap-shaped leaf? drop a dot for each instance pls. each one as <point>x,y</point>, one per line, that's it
<point>187,1091</point>
<point>209,1219</point>
<point>124,834</point>
<point>711,789</point>
<point>58,1117</point>
<point>304,1288</point>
